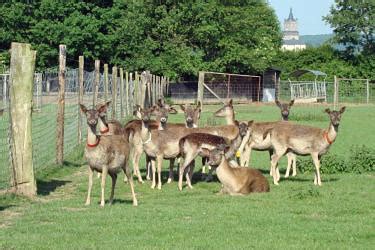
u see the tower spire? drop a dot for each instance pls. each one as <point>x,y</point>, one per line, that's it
<point>291,18</point>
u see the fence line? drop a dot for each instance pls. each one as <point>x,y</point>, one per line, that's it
<point>45,108</point>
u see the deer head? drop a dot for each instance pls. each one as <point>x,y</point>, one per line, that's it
<point>335,116</point>
<point>284,108</point>
<point>192,114</point>
<point>216,155</point>
<point>226,110</point>
<point>92,116</point>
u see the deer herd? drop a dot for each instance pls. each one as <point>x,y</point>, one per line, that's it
<point>225,149</point>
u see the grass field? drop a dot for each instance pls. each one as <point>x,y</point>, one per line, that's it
<point>296,214</point>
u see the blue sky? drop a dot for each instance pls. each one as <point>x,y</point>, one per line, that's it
<point>308,12</point>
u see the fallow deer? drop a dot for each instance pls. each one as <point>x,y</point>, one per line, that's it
<point>106,154</point>
<point>164,143</point>
<point>304,140</point>
<point>292,159</point>
<point>236,181</point>
<point>196,144</point>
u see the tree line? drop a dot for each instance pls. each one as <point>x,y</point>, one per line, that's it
<point>176,38</point>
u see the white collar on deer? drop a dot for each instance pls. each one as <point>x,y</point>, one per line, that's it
<point>148,140</point>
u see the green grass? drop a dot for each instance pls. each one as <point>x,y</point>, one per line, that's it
<point>296,214</point>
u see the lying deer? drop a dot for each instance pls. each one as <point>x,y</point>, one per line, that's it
<point>236,181</point>
<point>196,144</point>
<point>164,143</point>
<point>106,154</point>
<point>304,140</point>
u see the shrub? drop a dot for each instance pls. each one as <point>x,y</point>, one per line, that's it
<point>361,159</point>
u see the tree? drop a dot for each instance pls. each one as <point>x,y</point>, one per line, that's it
<point>353,24</point>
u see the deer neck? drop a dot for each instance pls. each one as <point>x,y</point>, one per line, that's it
<point>103,126</point>
<point>145,133</point>
<point>230,119</point>
<point>235,144</point>
<point>331,133</point>
<point>92,138</point>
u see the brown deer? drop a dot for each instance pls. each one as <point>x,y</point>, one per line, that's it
<point>106,154</point>
<point>164,143</point>
<point>253,141</point>
<point>236,181</point>
<point>136,125</point>
<point>196,144</point>
<point>304,140</point>
<point>292,159</point>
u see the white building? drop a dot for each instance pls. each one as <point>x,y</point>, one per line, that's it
<point>291,36</point>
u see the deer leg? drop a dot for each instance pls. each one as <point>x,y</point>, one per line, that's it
<point>114,179</point>
<point>136,160</point>
<point>294,159</point>
<point>153,173</point>
<point>104,176</point>
<point>245,156</point>
<point>290,159</point>
<point>159,160</point>
<point>88,199</point>
<point>128,174</point>
<point>209,177</point>
<point>190,173</point>
<point>274,162</point>
<point>148,168</point>
<point>98,175</point>
<point>204,165</point>
<point>270,153</point>
<point>171,165</point>
<point>316,160</point>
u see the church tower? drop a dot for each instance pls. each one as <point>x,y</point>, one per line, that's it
<point>290,35</point>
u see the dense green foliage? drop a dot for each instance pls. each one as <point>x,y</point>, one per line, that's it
<point>353,23</point>
<point>176,38</point>
<point>328,60</point>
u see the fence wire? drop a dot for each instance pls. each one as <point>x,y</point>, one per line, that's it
<point>44,116</point>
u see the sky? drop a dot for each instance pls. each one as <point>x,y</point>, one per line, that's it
<point>308,13</point>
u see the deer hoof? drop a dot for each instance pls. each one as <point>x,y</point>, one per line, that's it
<point>169,180</point>
<point>135,203</point>
<point>87,203</point>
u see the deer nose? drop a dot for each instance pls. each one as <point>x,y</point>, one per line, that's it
<point>163,119</point>
<point>92,122</point>
<point>189,119</point>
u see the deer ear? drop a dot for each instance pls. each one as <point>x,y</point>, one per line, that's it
<point>160,102</point>
<point>291,103</point>
<point>199,105</point>
<point>205,151</point>
<point>83,108</point>
<point>182,106</point>
<point>230,102</point>
<point>278,103</point>
<point>102,108</point>
<point>250,123</point>
<point>172,110</point>
<point>342,110</point>
<point>328,111</point>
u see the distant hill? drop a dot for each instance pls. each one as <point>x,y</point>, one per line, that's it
<point>315,40</point>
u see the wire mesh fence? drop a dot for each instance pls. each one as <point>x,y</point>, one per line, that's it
<point>45,106</point>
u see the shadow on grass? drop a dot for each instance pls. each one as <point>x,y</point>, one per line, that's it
<point>3,207</point>
<point>307,179</point>
<point>119,201</point>
<point>47,187</point>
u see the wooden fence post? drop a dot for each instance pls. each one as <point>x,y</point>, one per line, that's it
<point>95,88</point>
<point>61,107</point>
<point>114,92</point>
<point>200,87</point>
<point>127,93</point>
<point>22,66</point>
<point>136,89</point>
<point>335,94</point>
<point>122,113</point>
<point>106,82</point>
<point>80,97</point>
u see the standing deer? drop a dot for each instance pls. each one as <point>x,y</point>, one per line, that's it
<point>164,143</point>
<point>292,159</point>
<point>106,154</point>
<point>304,140</point>
<point>236,181</point>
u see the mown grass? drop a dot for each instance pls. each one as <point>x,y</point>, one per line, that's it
<point>296,214</point>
